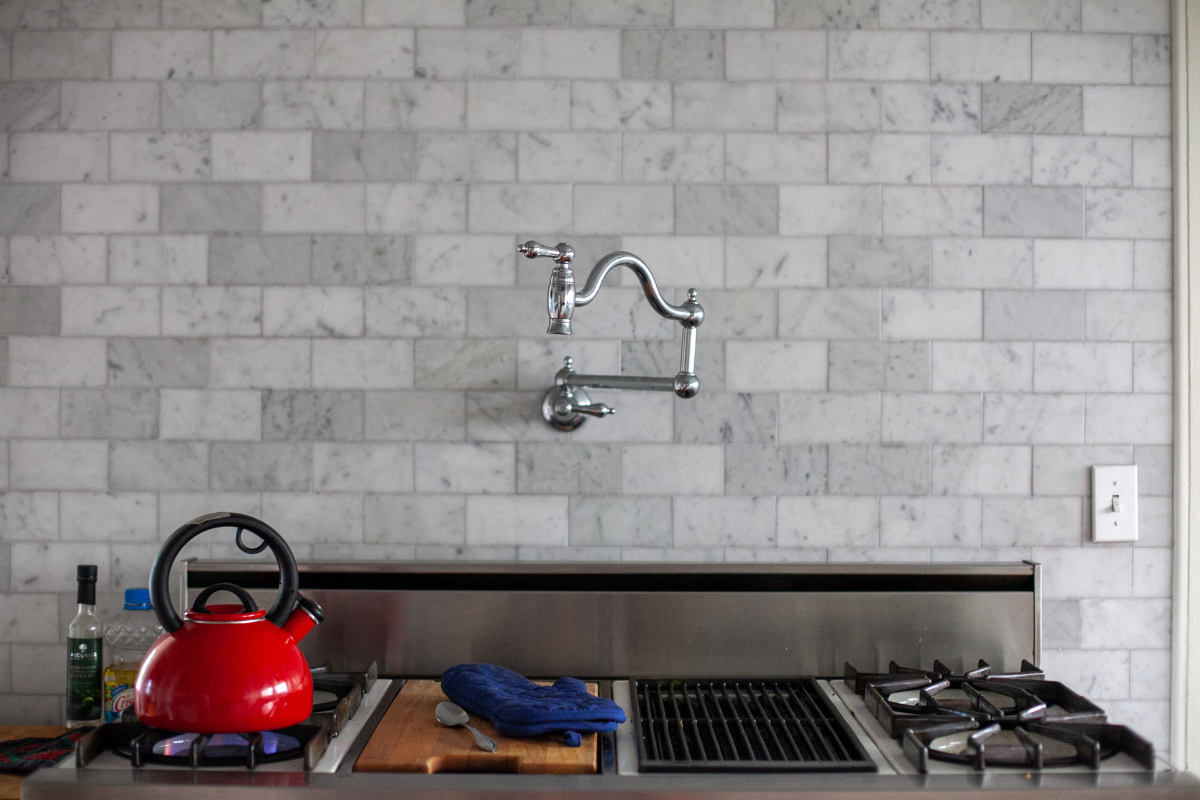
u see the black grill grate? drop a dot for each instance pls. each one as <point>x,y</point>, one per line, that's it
<point>741,726</point>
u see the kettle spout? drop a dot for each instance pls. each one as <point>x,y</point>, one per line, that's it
<point>306,616</point>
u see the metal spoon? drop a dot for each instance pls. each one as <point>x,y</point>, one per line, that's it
<point>450,714</point>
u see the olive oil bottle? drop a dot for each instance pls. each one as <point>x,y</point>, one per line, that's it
<point>85,664</point>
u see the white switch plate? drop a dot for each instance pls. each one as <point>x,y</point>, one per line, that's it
<point>1119,524</point>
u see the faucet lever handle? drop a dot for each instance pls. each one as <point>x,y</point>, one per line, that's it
<point>561,253</point>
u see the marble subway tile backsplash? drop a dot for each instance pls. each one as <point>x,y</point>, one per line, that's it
<point>261,256</point>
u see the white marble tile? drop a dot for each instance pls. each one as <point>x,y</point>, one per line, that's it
<point>109,517</point>
<point>1082,161</point>
<point>413,105</point>
<point>416,208</point>
<point>1127,16</point>
<point>472,260</point>
<point>723,522</point>
<point>28,413</point>
<point>448,53</point>
<point>580,53</point>
<point>817,107</point>
<point>773,157</point>
<point>158,55</point>
<point>1083,264</point>
<point>58,464</point>
<point>1152,265</point>
<point>262,54</point>
<point>260,364</point>
<point>316,518</point>
<point>157,259</point>
<point>774,55</point>
<point>1152,59</point>
<point>930,107</point>
<point>829,313</point>
<point>1129,316</point>
<point>1067,470</point>
<point>982,57</point>
<point>885,555</point>
<point>1024,315</point>
<point>1037,521</point>
<point>28,516</point>
<point>363,53</point>
<point>613,209</point>
<point>409,519</point>
<point>1033,419</point>
<point>261,156</point>
<point>584,157</point>
<point>1081,58</point>
<point>879,55</point>
<point>212,311</point>
<point>827,522</point>
<point>1098,674</point>
<point>109,208</point>
<point>932,211</point>
<point>982,263</point>
<point>458,468</point>
<point>49,361</point>
<point>672,469</point>
<point>932,314</point>
<point>362,467</point>
<point>981,470</point>
<point>1131,623</point>
<point>110,310</point>
<point>210,415</point>
<point>313,208</point>
<point>829,417</point>
<point>57,157</point>
<point>1086,571</point>
<point>493,105</point>
<point>923,14</point>
<point>878,470</point>
<point>1034,211</point>
<point>878,158</point>
<point>1082,367</point>
<point>820,210</point>
<point>1153,367</point>
<point>312,311</point>
<point>644,417</point>
<point>1127,110</point>
<point>1153,671</point>
<point>929,521</point>
<point>988,158</point>
<point>941,418</point>
<point>48,567</point>
<point>1129,213</point>
<point>362,364</point>
<point>620,105</point>
<point>724,13</point>
<point>672,158</point>
<point>1031,14</point>
<point>1152,572</point>
<point>742,106</point>
<point>775,261</point>
<point>775,366</point>
<point>55,260</point>
<point>1152,163</point>
<point>1129,418</point>
<point>527,520</point>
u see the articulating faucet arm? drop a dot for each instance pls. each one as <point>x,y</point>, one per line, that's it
<point>683,314</point>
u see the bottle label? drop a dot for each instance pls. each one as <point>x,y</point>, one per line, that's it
<point>84,688</point>
<point>118,691</point>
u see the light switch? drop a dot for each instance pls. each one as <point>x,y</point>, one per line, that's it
<point>1114,504</point>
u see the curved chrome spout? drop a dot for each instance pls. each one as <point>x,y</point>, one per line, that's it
<point>565,404</point>
<point>689,314</point>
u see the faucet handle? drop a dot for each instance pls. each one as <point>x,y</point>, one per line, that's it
<point>562,252</point>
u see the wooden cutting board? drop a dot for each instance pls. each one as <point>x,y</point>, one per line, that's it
<point>410,739</point>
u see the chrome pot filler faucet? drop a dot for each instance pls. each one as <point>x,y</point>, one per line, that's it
<point>566,405</point>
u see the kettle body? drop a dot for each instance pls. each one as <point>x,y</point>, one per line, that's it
<point>227,668</point>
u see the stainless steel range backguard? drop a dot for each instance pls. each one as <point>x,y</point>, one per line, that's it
<point>661,620</point>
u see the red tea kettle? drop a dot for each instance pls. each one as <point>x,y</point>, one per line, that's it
<point>227,668</point>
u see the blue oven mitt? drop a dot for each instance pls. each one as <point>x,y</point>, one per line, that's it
<point>519,707</point>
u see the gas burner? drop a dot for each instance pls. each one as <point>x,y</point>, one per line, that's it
<point>144,745</point>
<point>1034,746</point>
<point>979,718</point>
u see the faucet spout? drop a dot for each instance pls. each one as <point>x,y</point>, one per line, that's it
<point>566,404</point>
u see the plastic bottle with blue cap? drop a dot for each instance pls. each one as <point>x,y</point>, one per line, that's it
<point>127,637</point>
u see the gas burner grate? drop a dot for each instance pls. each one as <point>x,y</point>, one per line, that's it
<point>144,745</point>
<point>741,726</point>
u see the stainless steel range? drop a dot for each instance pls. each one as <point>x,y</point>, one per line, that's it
<point>786,680</point>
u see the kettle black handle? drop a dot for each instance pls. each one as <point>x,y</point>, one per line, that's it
<point>201,604</point>
<point>289,574</point>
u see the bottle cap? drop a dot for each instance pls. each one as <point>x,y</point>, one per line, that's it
<point>137,600</point>
<point>87,573</point>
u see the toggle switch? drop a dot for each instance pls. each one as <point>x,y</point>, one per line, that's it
<point>1114,503</point>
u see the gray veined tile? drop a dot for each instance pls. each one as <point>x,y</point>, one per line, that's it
<point>1032,108</point>
<point>753,469</point>
<point>726,418</point>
